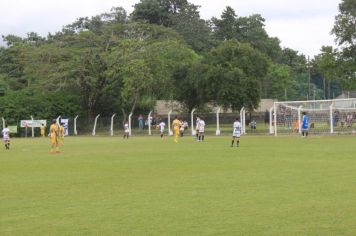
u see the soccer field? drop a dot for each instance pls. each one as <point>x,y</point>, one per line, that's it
<point>153,186</point>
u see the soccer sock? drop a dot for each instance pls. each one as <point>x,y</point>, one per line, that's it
<point>306,134</point>
<point>237,142</point>
<point>161,135</point>
<point>232,142</point>
<point>202,138</point>
<point>197,135</point>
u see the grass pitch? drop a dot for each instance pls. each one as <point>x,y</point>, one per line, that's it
<point>153,186</point>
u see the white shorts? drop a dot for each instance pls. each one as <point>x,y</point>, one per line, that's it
<point>201,130</point>
<point>6,138</point>
<point>236,134</point>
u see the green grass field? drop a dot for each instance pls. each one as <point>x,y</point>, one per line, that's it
<point>149,186</point>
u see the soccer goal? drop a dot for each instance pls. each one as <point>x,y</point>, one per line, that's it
<point>325,116</point>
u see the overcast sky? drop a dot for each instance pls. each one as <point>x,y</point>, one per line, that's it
<point>303,25</point>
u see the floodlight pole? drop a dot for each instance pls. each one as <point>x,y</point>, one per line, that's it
<point>169,123</point>
<point>130,123</point>
<point>75,126</point>
<point>309,66</point>
<point>94,128</point>
<point>32,128</point>
<point>217,122</point>
<point>149,120</point>
<point>192,122</point>
<point>112,125</point>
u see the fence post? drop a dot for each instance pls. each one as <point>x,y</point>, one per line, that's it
<point>94,128</point>
<point>242,120</point>
<point>192,122</point>
<point>270,120</point>
<point>275,118</point>
<point>130,124</point>
<point>32,128</point>
<point>331,119</point>
<point>149,120</point>
<point>169,123</point>
<point>244,125</point>
<point>300,119</point>
<point>112,125</point>
<point>217,122</point>
<point>75,126</point>
<point>57,120</point>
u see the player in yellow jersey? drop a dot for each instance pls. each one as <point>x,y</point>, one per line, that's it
<point>53,134</point>
<point>176,124</point>
<point>61,134</point>
<point>43,130</point>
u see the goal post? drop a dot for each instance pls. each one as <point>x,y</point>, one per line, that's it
<point>325,116</point>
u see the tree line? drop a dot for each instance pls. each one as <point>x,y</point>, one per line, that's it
<point>115,62</point>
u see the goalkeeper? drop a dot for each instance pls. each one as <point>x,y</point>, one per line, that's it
<point>305,125</point>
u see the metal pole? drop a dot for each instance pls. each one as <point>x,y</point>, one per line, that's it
<point>331,119</point>
<point>94,128</point>
<point>275,118</point>
<point>3,122</point>
<point>270,120</point>
<point>217,122</point>
<point>149,123</point>
<point>130,124</point>
<point>192,121</point>
<point>242,120</point>
<point>300,119</point>
<point>75,126</point>
<point>32,128</point>
<point>112,125</point>
<point>169,123</point>
<point>244,124</point>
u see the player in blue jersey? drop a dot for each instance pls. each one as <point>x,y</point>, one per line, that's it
<point>305,125</point>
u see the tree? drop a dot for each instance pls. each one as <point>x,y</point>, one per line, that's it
<point>234,75</point>
<point>345,32</point>
<point>326,62</point>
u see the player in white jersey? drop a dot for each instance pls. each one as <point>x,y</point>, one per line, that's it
<point>201,129</point>
<point>126,130</point>
<point>236,132</point>
<point>6,137</point>
<point>197,128</point>
<point>162,125</point>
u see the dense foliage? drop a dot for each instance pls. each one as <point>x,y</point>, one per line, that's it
<point>115,63</point>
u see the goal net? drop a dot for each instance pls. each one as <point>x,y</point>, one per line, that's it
<point>325,116</point>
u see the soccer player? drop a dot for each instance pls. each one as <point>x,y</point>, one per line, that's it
<point>61,134</point>
<point>6,137</point>
<point>161,127</point>
<point>201,129</point>
<point>236,132</point>
<point>197,128</point>
<point>53,134</point>
<point>42,130</point>
<point>305,125</point>
<point>176,124</point>
<point>126,130</point>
